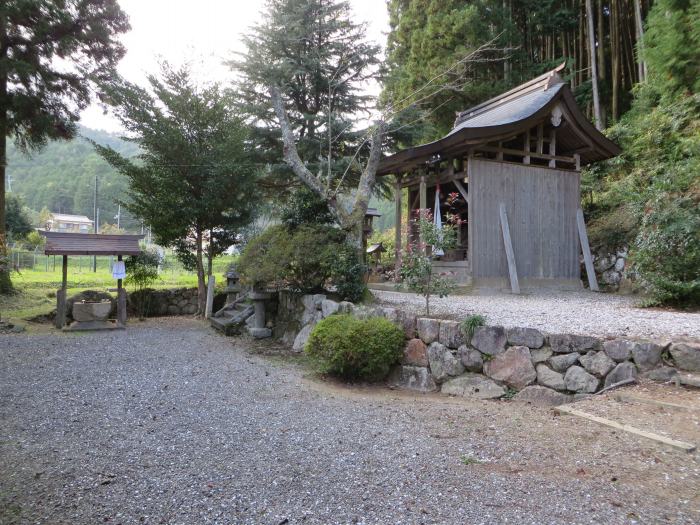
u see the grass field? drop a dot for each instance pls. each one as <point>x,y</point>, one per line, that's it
<point>35,289</point>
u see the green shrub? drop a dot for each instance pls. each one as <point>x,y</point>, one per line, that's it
<point>305,207</point>
<point>142,271</point>
<point>351,348</point>
<point>307,259</point>
<point>470,324</point>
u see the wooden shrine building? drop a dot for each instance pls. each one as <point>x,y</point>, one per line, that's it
<point>514,163</point>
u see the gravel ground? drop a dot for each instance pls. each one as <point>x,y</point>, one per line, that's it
<point>584,312</point>
<point>168,422</point>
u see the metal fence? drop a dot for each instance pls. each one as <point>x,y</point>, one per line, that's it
<point>22,258</point>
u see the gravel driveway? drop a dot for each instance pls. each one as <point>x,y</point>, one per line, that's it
<point>168,422</point>
<point>582,312</point>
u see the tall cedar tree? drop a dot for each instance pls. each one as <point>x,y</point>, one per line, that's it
<point>52,53</point>
<point>428,36</point>
<point>194,181</point>
<point>319,58</point>
<point>649,197</point>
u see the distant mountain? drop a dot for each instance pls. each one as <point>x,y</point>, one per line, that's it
<point>61,176</point>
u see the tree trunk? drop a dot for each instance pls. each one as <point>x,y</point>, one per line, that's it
<point>201,287</point>
<point>5,266</point>
<point>615,57</point>
<point>594,68</point>
<point>640,40</point>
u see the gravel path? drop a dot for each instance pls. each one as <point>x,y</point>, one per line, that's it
<point>584,312</point>
<point>168,422</point>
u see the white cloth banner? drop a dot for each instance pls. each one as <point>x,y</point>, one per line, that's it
<point>119,270</point>
<point>437,220</point>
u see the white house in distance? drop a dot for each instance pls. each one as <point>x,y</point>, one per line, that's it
<point>63,222</point>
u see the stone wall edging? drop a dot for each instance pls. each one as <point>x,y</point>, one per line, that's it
<point>548,368</point>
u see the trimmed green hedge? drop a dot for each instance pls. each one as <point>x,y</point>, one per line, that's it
<point>351,348</point>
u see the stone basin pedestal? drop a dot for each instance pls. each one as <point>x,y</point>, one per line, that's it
<point>92,316</point>
<point>259,330</point>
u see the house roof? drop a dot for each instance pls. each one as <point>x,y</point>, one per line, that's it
<point>65,217</point>
<point>509,114</point>
<point>59,243</point>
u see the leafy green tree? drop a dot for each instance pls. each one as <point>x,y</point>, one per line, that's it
<point>319,58</point>
<point>52,52</point>
<point>193,183</point>
<point>142,272</point>
<point>649,197</point>
<point>416,271</point>
<point>17,222</point>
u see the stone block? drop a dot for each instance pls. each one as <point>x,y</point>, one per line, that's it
<point>443,363</point>
<point>513,367</point>
<point>472,359</point>
<point>473,385</point>
<point>415,353</point>
<point>549,378</point>
<point>345,307</point>
<point>260,333</point>
<point>542,396</point>
<point>647,355</point>
<point>597,363</point>
<point>619,349</point>
<point>686,356</point>
<point>540,355</point>
<point>525,337</point>
<point>621,372</point>
<point>566,343</point>
<point>428,329</point>
<point>662,374</point>
<point>329,307</point>
<point>416,378</point>
<point>578,380</point>
<point>450,334</point>
<point>561,363</point>
<point>302,337</point>
<point>490,340</point>
<point>407,321</point>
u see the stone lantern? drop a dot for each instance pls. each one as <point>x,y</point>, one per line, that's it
<point>233,287</point>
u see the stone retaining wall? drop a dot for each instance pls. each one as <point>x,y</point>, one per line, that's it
<point>611,268</point>
<point>522,362</point>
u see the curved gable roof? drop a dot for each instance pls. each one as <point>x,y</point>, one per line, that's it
<point>510,113</point>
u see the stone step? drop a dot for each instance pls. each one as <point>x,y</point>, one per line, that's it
<point>231,324</point>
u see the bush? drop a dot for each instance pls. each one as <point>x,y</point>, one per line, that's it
<point>305,207</point>
<point>306,259</point>
<point>142,271</point>
<point>351,348</point>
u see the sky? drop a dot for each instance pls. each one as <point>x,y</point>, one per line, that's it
<point>203,33</point>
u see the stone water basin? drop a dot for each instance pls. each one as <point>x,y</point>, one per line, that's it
<point>86,311</point>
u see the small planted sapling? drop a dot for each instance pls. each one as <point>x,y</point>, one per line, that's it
<point>417,272</point>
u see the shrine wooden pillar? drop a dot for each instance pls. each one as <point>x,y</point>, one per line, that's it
<point>397,235</point>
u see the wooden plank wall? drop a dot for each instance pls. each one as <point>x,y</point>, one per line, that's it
<point>541,204</point>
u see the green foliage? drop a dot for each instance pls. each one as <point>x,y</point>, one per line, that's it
<point>649,197</point>
<point>194,182</point>
<point>61,177</point>
<point>432,40</point>
<point>34,240</point>
<point>347,273</point>
<point>351,348</point>
<point>17,222</point>
<point>672,46</point>
<point>310,258</point>
<point>388,239</point>
<point>305,207</point>
<point>320,59</point>
<point>416,266</point>
<point>470,324</point>
<point>142,272</point>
